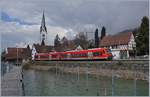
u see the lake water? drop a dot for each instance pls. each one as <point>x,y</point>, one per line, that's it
<point>5,67</point>
<point>48,83</point>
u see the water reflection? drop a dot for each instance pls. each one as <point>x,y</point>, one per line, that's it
<point>58,83</point>
<point>5,67</point>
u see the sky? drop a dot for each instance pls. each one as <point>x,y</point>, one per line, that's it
<point>20,19</point>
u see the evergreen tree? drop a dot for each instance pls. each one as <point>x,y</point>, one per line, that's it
<point>96,39</point>
<point>103,32</point>
<point>57,42</point>
<point>28,47</point>
<point>64,43</point>
<point>142,39</point>
<point>3,55</point>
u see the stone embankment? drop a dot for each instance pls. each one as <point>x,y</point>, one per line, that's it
<point>121,69</point>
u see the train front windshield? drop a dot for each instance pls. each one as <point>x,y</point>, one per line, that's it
<point>110,54</point>
<point>108,50</point>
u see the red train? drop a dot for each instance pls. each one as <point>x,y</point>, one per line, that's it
<point>90,54</point>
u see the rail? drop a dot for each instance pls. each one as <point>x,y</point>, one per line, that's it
<point>137,61</point>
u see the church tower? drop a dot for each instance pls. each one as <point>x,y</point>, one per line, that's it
<point>43,31</point>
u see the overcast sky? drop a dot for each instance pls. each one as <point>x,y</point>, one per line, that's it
<point>20,19</point>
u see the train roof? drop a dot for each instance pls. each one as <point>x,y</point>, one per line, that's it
<point>86,50</point>
<point>74,51</point>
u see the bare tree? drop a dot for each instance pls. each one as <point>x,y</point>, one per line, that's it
<point>81,40</point>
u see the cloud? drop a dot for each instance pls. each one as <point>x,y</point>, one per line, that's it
<point>67,17</point>
<point>69,13</point>
<point>17,34</point>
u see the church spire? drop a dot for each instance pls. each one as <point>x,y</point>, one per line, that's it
<point>43,25</point>
<point>43,30</point>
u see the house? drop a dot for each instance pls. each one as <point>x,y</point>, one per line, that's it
<point>37,48</point>
<point>79,48</point>
<point>122,44</point>
<point>17,55</point>
<point>43,48</point>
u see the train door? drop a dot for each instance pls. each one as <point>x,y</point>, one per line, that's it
<point>39,57</point>
<point>90,55</point>
<point>50,57</point>
<point>68,55</point>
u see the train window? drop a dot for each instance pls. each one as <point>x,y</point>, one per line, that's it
<point>50,56</point>
<point>90,54</point>
<point>36,56</point>
<point>53,56</point>
<point>96,53</point>
<point>80,55</point>
<point>69,55</point>
<point>43,56</point>
<point>84,55</point>
<point>64,55</point>
<point>72,55</point>
<point>75,55</point>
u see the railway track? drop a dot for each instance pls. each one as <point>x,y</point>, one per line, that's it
<point>137,61</point>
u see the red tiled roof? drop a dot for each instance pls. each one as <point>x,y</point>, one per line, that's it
<point>119,39</point>
<point>21,53</point>
<point>43,48</point>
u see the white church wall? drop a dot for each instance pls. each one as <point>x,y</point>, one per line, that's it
<point>131,43</point>
<point>33,52</point>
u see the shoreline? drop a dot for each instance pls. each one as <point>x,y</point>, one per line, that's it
<point>96,70</point>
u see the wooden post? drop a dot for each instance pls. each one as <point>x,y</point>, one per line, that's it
<point>56,71</point>
<point>113,86</point>
<point>105,91</point>
<point>87,73</point>
<point>17,55</point>
<point>23,90</point>
<point>135,81</point>
<point>78,73</point>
